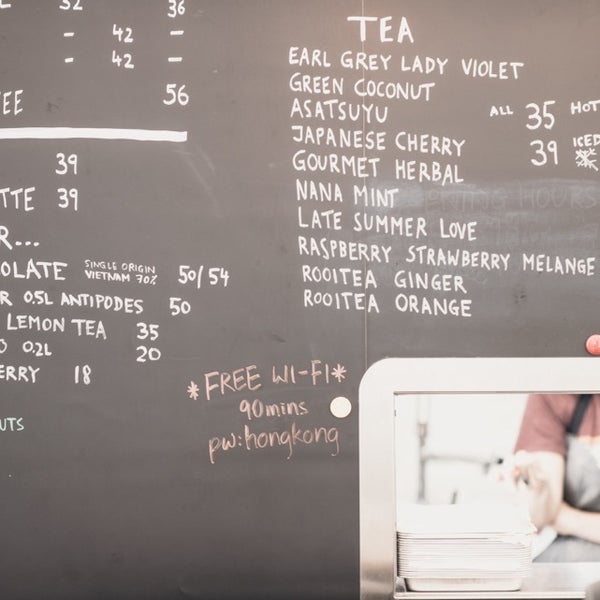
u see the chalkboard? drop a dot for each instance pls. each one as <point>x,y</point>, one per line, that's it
<point>215,215</point>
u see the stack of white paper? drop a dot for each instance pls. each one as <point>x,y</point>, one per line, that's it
<point>464,547</point>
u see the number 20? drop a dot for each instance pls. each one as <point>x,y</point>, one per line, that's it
<point>147,354</point>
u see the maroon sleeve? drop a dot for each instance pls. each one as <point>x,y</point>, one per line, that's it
<point>544,423</point>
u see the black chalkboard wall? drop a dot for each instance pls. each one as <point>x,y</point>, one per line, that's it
<point>215,215</point>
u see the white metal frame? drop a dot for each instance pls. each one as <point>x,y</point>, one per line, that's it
<point>391,376</point>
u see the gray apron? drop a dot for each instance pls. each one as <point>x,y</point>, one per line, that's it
<point>582,491</point>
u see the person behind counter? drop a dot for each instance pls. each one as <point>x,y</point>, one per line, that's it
<point>557,455</point>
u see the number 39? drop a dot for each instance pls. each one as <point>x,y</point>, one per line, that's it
<point>543,151</point>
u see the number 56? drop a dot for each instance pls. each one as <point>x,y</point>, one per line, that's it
<point>176,94</point>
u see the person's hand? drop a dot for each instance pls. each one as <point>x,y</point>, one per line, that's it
<point>530,468</point>
<point>542,474</point>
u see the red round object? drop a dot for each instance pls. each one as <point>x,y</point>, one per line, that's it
<point>592,344</point>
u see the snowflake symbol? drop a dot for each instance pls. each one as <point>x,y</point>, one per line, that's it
<point>339,372</point>
<point>584,159</point>
<point>193,390</point>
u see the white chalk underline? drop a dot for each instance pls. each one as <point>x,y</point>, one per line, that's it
<point>92,133</point>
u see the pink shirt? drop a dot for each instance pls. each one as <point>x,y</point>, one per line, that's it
<point>546,419</point>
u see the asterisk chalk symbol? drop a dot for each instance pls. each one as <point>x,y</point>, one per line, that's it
<point>584,159</point>
<point>339,372</point>
<point>193,390</point>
